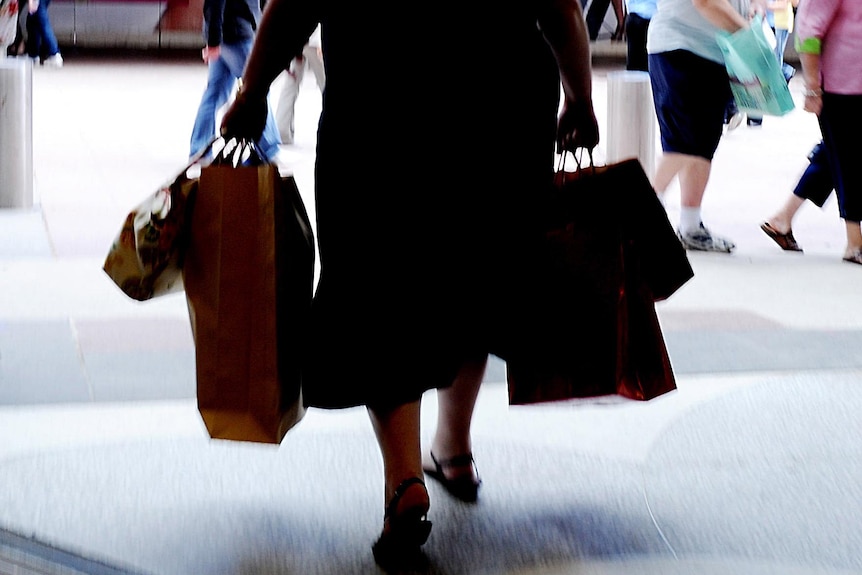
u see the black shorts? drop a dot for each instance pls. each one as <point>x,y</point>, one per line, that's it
<point>691,94</point>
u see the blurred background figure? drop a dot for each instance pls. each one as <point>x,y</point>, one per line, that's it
<point>691,92</point>
<point>312,57</point>
<point>595,17</point>
<point>638,15</point>
<point>229,29</point>
<point>41,42</point>
<point>815,185</point>
<point>829,42</point>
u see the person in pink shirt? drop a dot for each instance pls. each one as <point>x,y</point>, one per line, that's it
<point>829,42</point>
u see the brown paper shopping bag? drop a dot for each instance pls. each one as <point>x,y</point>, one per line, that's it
<point>248,277</point>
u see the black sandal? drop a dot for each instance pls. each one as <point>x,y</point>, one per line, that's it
<point>463,487</point>
<point>398,546</point>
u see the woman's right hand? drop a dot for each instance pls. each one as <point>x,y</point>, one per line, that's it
<point>245,118</point>
<point>577,127</point>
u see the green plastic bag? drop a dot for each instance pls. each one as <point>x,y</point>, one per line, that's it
<point>755,75</point>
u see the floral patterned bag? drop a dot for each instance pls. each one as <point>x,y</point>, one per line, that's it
<point>145,259</point>
<point>8,22</point>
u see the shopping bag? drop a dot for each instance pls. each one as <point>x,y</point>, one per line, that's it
<point>145,258</point>
<point>248,278</point>
<point>756,79</point>
<point>609,253</point>
<point>8,23</point>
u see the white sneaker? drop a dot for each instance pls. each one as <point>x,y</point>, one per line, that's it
<point>703,240</point>
<point>732,123</point>
<point>55,61</point>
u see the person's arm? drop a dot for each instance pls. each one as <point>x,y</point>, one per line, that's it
<point>283,32</point>
<point>813,24</point>
<point>213,26</point>
<point>811,75</point>
<point>562,23</point>
<point>722,14</point>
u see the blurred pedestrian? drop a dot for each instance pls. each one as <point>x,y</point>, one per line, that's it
<point>229,29</point>
<point>691,91</point>
<point>815,185</point>
<point>311,57</point>
<point>42,44</point>
<point>829,43</point>
<point>596,14</point>
<point>638,15</point>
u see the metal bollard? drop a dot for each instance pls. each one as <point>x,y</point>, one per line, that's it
<point>16,133</point>
<point>631,119</point>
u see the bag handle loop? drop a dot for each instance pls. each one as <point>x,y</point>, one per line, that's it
<point>578,157</point>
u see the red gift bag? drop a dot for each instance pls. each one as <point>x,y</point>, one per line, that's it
<point>609,253</point>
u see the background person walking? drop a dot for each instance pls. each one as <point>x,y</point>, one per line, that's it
<point>41,42</point>
<point>229,29</point>
<point>311,57</point>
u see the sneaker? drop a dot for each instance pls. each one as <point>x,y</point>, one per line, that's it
<point>702,240</point>
<point>55,61</point>
<point>734,121</point>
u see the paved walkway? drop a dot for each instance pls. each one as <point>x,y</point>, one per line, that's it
<point>750,467</point>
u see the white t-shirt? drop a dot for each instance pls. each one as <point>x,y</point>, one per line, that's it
<point>678,25</point>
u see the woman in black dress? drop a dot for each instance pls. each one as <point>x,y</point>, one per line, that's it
<point>426,181</point>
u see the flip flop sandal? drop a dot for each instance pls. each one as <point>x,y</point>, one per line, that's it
<point>785,241</point>
<point>854,258</point>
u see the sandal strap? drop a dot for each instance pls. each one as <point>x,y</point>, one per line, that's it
<point>462,460</point>
<point>399,493</point>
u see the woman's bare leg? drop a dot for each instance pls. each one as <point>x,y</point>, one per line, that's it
<point>854,239</point>
<point>455,416</point>
<point>397,431</point>
<point>782,220</point>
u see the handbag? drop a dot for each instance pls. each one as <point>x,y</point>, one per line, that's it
<point>607,255</point>
<point>145,258</point>
<point>248,278</point>
<point>756,79</point>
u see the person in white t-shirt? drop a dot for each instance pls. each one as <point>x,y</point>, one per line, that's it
<point>691,91</point>
<point>312,57</point>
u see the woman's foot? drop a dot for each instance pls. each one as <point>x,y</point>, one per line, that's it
<point>784,239</point>
<point>458,475</point>
<point>405,527</point>
<point>854,256</point>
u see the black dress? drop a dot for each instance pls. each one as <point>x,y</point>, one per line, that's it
<point>435,146</point>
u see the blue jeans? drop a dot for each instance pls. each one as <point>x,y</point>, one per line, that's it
<point>781,37</point>
<point>223,74</point>
<point>41,41</point>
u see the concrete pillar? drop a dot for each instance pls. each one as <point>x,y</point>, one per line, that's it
<point>631,130</point>
<point>16,132</point>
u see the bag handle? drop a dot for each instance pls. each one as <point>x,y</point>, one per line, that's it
<point>239,152</point>
<point>578,157</point>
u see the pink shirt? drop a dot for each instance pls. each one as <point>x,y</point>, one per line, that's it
<point>838,25</point>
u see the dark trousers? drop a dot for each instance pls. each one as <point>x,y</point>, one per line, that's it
<point>841,123</point>
<point>596,16</point>
<point>636,36</point>
<point>41,41</point>
<point>815,184</point>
